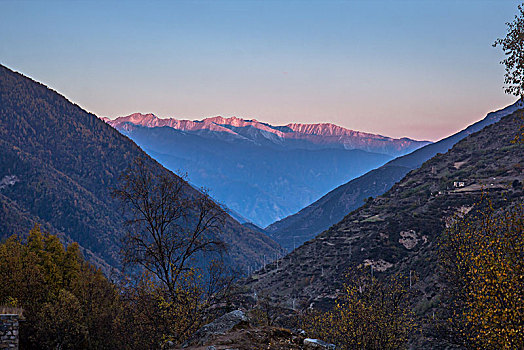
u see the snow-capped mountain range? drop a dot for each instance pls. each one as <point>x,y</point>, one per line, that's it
<point>293,135</point>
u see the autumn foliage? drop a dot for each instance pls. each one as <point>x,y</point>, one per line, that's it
<point>370,313</point>
<point>483,262</point>
<point>67,303</point>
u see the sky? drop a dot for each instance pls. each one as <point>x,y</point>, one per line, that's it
<point>421,69</point>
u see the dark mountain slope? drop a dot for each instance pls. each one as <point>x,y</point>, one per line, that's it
<point>332,207</point>
<point>59,163</point>
<point>398,231</point>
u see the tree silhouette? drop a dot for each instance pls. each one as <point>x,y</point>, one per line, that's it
<point>169,237</point>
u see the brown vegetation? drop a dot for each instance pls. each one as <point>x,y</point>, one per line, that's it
<point>370,313</point>
<point>483,267</point>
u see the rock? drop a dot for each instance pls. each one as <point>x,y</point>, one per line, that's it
<point>219,326</point>
<point>317,344</point>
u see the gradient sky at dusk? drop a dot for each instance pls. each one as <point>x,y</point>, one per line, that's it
<point>422,69</point>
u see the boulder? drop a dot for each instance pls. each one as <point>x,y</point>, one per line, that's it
<point>317,344</point>
<point>221,325</point>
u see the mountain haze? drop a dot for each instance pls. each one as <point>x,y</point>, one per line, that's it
<point>58,166</point>
<point>260,171</point>
<point>332,207</point>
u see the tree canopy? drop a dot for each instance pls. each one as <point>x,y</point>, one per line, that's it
<point>370,313</point>
<point>483,269</point>
<point>513,47</point>
<point>67,303</point>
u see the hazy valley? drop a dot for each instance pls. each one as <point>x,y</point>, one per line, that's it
<point>262,172</point>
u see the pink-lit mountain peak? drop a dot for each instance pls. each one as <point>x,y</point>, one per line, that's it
<point>311,136</point>
<point>324,129</point>
<point>151,121</point>
<point>242,123</point>
<point>232,121</point>
<point>329,129</point>
<point>141,119</point>
<point>217,123</point>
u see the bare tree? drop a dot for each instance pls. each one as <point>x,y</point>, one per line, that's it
<point>171,238</point>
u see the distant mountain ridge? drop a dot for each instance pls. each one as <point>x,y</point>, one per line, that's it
<point>261,172</point>
<point>293,135</point>
<point>331,208</point>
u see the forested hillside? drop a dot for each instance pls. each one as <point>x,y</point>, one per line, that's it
<point>58,166</point>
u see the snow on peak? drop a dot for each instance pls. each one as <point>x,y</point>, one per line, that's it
<point>320,135</point>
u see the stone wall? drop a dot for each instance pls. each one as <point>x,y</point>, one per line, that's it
<point>9,331</point>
